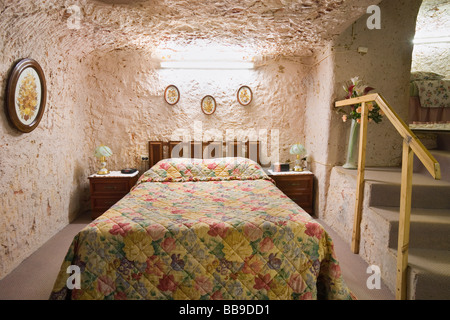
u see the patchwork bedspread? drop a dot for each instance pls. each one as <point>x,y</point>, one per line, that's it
<point>203,229</point>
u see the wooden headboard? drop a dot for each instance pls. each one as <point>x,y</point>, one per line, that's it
<point>159,150</point>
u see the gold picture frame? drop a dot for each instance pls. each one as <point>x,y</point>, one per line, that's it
<point>244,95</point>
<point>171,94</point>
<point>208,105</point>
<point>26,95</point>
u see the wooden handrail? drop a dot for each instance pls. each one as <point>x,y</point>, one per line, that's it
<point>411,146</point>
<point>416,145</point>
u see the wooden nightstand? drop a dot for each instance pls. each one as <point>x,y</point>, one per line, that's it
<point>297,186</point>
<point>106,190</point>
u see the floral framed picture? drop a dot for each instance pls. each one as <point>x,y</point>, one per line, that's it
<point>172,95</point>
<point>26,95</point>
<point>245,95</point>
<point>208,105</point>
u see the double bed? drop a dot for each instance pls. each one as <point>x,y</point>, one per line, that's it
<point>211,228</point>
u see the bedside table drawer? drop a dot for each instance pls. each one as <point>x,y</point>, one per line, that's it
<point>304,199</point>
<point>294,183</point>
<point>107,190</point>
<point>100,203</point>
<point>298,187</point>
<point>110,187</point>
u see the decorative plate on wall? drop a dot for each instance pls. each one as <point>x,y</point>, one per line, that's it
<point>26,95</point>
<point>244,95</point>
<point>171,95</point>
<point>208,105</point>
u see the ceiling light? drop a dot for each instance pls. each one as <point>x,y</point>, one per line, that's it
<point>218,65</point>
<point>431,40</point>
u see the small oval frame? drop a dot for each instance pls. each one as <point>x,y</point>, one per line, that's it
<point>242,102</point>
<point>177,93</point>
<point>12,86</point>
<point>203,104</point>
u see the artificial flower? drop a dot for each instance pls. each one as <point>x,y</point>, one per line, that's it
<point>355,88</point>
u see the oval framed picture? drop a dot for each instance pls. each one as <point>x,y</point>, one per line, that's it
<point>208,105</point>
<point>171,94</point>
<point>26,95</point>
<point>245,95</point>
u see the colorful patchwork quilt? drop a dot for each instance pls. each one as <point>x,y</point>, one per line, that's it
<point>202,229</point>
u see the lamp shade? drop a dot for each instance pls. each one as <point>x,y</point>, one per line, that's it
<point>298,149</point>
<point>102,151</point>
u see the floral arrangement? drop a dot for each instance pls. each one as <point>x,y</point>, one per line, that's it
<point>356,89</point>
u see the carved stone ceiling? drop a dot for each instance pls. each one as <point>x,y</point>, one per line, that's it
<point>262,27</point>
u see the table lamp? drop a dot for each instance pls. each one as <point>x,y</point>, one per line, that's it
<point>300,151</point>
<point>102,152</point>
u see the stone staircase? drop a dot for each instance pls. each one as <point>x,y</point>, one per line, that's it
<point>429,251</point>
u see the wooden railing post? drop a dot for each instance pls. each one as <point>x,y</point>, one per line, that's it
<point>404,220</point>
<point>360,179</point>
<point>411,146</point>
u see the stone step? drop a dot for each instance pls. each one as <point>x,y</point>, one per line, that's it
<point>441,156</point>
<point>430,228</point>
<point>434,139</point>
<point>384,186</point>
<point>428,274</point>
<point>429,258</point>
<point>443,140</point>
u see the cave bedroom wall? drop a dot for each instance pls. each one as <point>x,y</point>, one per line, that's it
<point>105,68</point>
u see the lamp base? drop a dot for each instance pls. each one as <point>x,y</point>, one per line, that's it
<point>298,166</point>
<point>103,171</point>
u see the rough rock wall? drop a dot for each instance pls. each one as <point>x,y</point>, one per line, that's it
<point>43,181</point>
<point>89,83</point>
<point>42,173</point>
<point>125,99</point>
<point>274,27</point>
<point>386,67</point>
<point>433,20</point>
<point>318,118</point>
